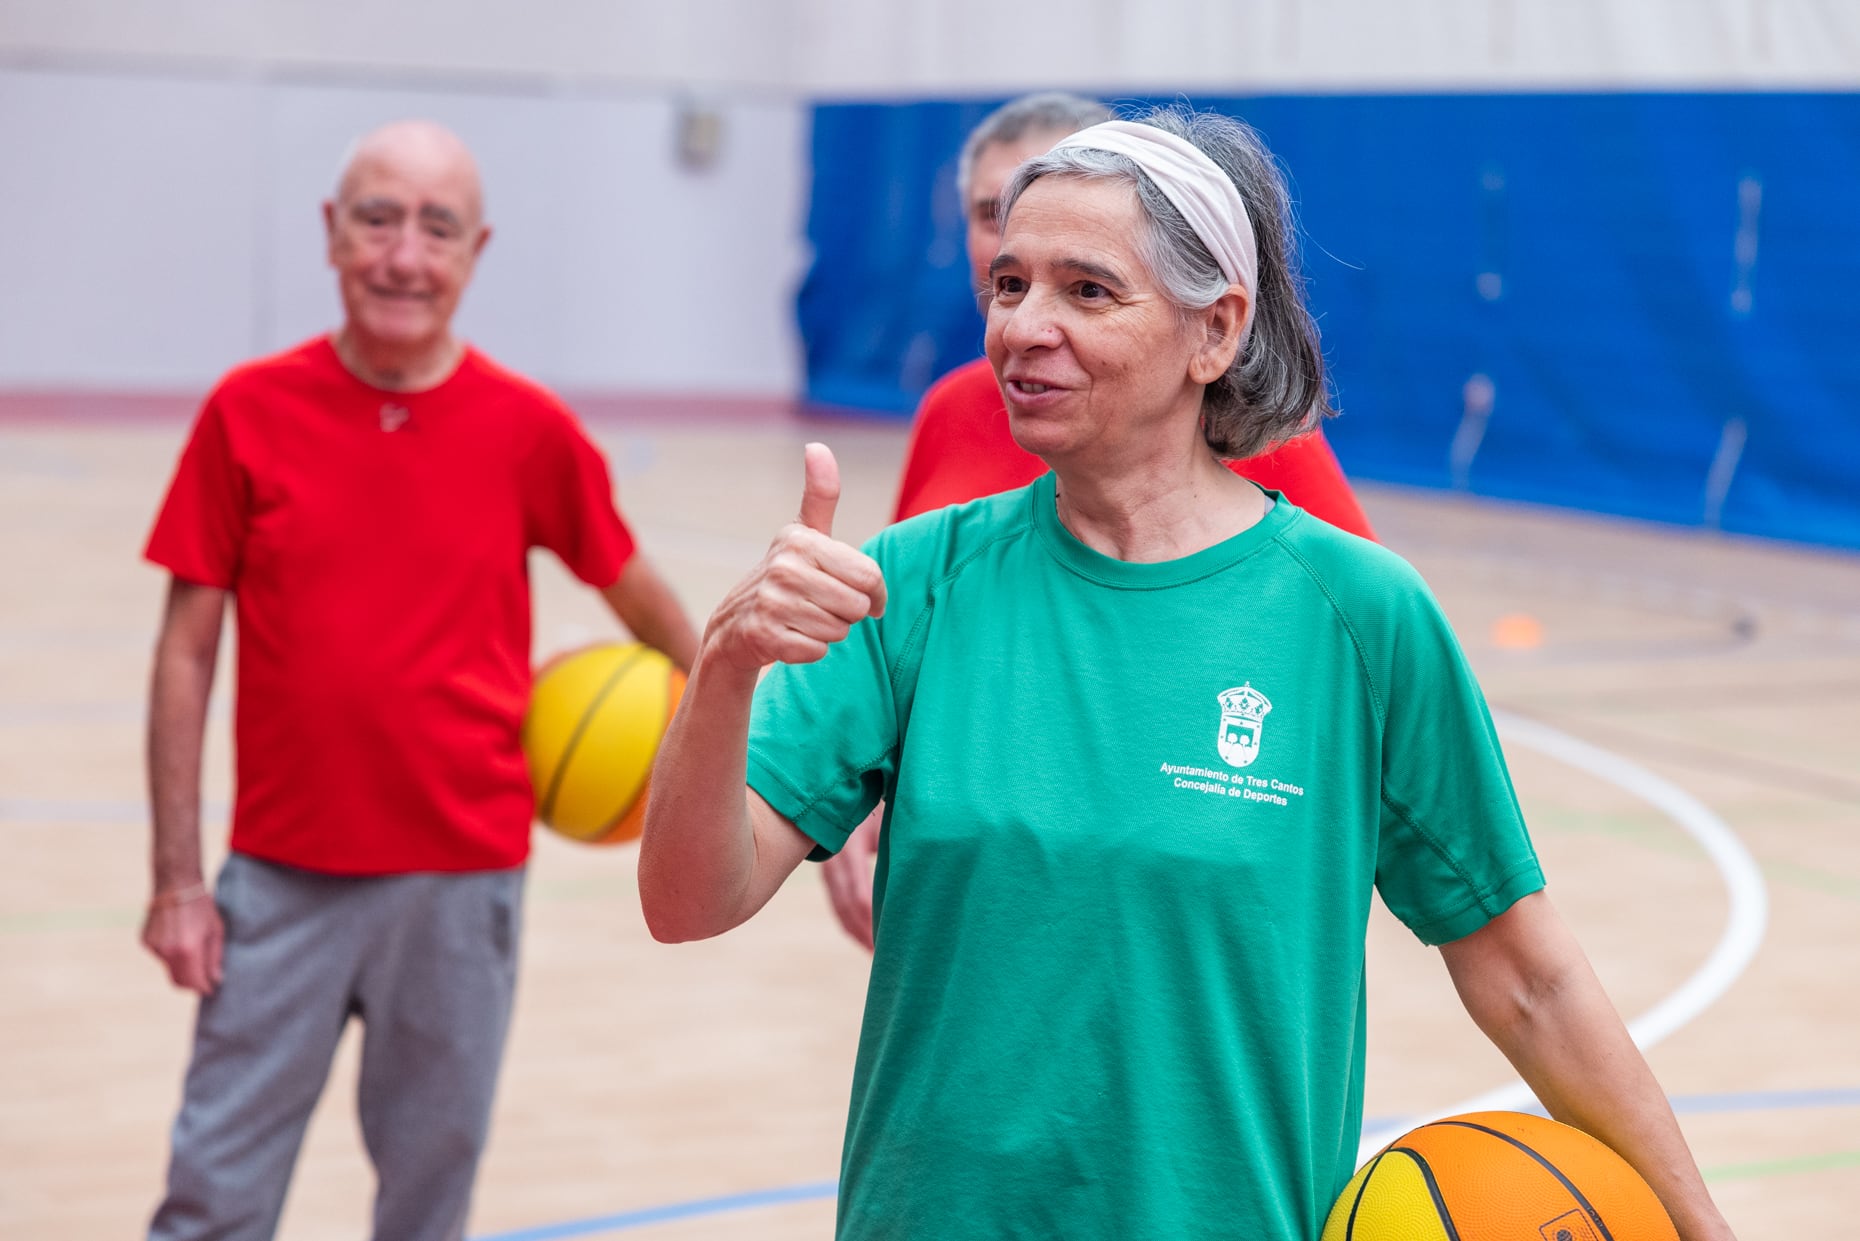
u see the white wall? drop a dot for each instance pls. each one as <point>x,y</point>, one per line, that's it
<point>128,236</point>
<point>156,229</point>
<point>161,161</point>
<point>831,47</point>
<point>610,265</point>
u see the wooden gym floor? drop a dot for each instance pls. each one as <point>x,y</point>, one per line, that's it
<point>698,1092</point>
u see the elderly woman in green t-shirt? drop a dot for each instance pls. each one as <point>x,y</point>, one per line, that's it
<point>1147,738</point>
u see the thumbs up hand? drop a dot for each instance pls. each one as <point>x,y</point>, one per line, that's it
<point>820,487</point>
<point>808,592</point>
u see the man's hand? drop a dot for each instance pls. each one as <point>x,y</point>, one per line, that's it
<point>189,938</point>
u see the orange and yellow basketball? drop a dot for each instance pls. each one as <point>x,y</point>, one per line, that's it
<point>1497,1176</point>
<point>595,720</point>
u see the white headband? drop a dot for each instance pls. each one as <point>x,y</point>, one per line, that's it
<point>1196,186</point>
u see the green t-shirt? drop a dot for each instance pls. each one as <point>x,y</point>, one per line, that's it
<point>1133,817</point>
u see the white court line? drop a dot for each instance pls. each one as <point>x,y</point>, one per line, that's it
<point>1743,927</point>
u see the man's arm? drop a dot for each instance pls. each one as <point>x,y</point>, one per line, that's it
<point>182,926</point>
<point>1527,984</point>
<point>645,604</point>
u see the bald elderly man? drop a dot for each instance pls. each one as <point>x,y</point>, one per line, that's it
<point>366,501</point>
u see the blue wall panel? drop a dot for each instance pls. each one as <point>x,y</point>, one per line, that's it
<point>1633,273</point>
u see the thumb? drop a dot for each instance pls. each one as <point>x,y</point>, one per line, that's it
<point>821,491</point>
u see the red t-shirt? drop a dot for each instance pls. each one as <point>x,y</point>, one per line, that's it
<point>961,450</point>
<point>376,546</point>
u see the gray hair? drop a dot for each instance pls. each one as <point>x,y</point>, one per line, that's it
<point>1275,389</point>
<point>1030,114</point>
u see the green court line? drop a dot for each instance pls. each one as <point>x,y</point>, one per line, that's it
<point>69,920</point>
<point>1650,833</point>
<point>601,887</point>
<point>1845,886</point>
<point>1783,1167</point>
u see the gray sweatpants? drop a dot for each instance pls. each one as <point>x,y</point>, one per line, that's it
<point>427,961</point>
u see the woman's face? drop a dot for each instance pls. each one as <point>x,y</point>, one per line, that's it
<point>1090,355</point>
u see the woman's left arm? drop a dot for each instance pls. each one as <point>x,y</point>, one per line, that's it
<point>1528,985</point>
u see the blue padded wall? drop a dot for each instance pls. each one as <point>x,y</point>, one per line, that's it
<point>1633,274</point>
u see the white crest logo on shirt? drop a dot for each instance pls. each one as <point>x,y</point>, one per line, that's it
<point>394,417</point>
<point>1243,719</point>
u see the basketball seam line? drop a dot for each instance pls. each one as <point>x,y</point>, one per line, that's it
<point>547,807</point>
<point>1349,1228</point>
<point>1549,1167</point>
<point>1433,1190</point>
<point>642,786</point>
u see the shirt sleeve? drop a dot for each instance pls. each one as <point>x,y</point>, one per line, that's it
<point>568,504</point>
<point>1453,851</point>
<point>199,533</point>
<point>824,737</point>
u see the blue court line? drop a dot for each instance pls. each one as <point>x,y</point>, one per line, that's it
<point>672,1211</point>
<point>1696,1105</point>
<point>1765,1100</point>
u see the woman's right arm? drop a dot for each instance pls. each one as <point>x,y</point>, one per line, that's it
<point>713,852</point>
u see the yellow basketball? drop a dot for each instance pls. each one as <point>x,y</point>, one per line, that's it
<point>1497,1176</point>
<point>595,719</point>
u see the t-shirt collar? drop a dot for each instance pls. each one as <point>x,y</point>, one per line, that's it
<point>1105,570</point>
